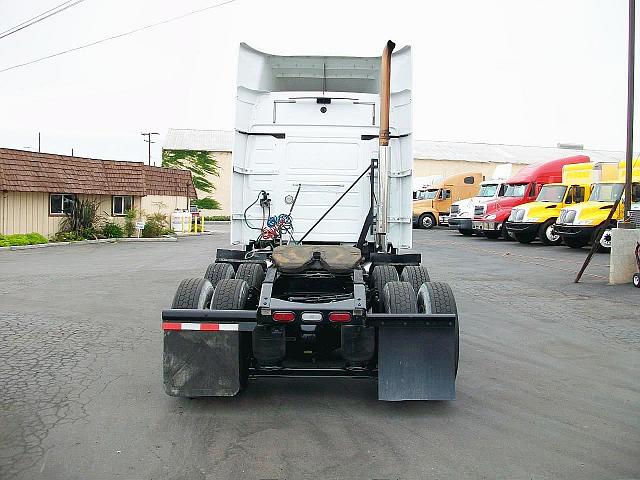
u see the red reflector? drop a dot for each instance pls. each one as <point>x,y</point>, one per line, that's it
<point>339,317</point>
<point>284,316</point>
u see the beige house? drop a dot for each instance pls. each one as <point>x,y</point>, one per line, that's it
<point>37,188</point>
<point>430,157</point>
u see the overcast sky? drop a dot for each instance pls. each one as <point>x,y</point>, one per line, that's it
<point>499,71</point>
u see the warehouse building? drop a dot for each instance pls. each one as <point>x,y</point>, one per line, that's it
<point>36,189</point>
<point>431,159</point>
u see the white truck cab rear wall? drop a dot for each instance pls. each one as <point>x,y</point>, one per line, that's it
<point>326,146</point>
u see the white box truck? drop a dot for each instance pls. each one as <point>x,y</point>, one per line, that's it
<point>321,211</point>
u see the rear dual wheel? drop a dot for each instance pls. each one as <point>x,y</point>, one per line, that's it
<point>218,271</point>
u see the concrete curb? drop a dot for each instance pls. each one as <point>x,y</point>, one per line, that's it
<point>206,232</point>
<point>87,242</point>
<point>142,239</point>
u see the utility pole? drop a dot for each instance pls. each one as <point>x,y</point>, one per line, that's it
<point>38,142</point>
<point>626,223</point>
<point>149,141</point>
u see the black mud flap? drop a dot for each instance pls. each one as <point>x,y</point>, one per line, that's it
<point>417,363</point>
<point>202,364</point>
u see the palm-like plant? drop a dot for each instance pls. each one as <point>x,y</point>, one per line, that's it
<point>82,218</point>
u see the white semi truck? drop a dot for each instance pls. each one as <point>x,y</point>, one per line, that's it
<point>463,211</point>
<point>321,210</point>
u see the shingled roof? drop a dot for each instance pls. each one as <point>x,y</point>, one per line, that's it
<point>24,171</point>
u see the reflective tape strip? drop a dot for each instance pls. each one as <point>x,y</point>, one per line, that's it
<point>209,327</point>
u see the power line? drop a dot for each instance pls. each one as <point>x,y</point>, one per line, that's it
<point>120,35</point>
<point>38,18</point>
<point>33,18</point>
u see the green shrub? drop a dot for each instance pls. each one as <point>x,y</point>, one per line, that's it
<point>217,218</point>
<point>20,239</point>
<point>112,230</point>
<point>207,203</point>
<point>36,239</point>
<point>154,225</point>
<point>17,239</point>
<point>130,221</point>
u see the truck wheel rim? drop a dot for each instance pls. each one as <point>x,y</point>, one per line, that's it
<point>636,280</point>
<point>427,222</point>
<point>551,235</point>
<point>605,240</point>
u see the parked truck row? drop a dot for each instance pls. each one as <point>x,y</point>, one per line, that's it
<point>566,200</point>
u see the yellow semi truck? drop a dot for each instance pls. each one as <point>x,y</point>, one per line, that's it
<point>432,206</point>
<point>577,225</point>
<point>538,219</point>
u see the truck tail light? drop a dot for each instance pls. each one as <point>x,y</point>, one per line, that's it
<point>284,317</point>
<point>340,317</point>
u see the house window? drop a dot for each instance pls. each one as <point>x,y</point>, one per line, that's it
<point>61,203</point>
<point>122,203</point>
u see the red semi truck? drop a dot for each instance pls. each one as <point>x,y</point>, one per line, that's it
<point>523,187</point>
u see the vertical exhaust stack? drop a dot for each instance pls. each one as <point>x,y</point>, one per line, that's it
<point>384,154</point>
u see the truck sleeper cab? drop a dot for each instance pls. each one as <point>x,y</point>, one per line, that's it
<point>318,285</point>
<point>432,206</point>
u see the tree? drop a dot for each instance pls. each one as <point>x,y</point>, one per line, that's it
<point>199,162</point>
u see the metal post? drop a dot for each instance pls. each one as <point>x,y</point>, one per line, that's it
<point>626,223</point>
<point>38,142</point>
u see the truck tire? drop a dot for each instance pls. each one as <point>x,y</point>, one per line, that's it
<point>416,275</point>
<point>547,235</point>
<point>253,274</point>
<point>575,242</point>
<point>492,235</point>
<point>217,271</point>
<point>193,293</point>
<point>399,297</point>
<point>524,237</point>
<point>426,220</point>
<point>381,275</point>
<point>636,280</point>
<point>230,294</point>
<point>465,232</point>
<point>437,297</point>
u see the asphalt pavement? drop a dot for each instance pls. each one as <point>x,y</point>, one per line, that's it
<point>548,386</point>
